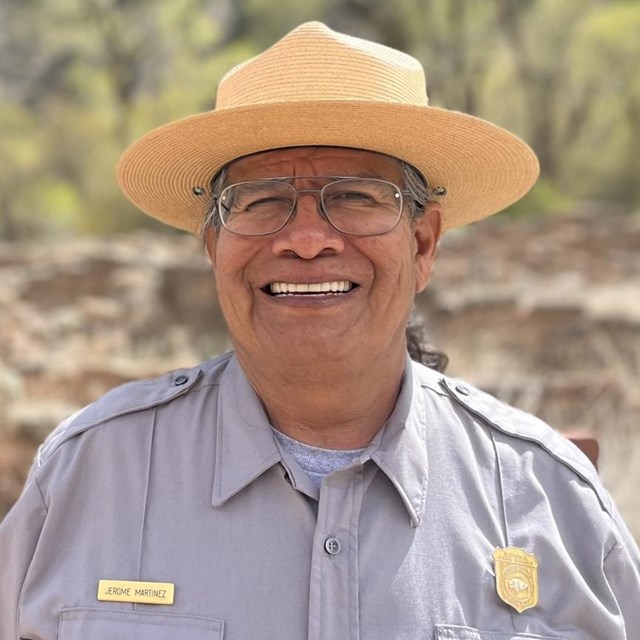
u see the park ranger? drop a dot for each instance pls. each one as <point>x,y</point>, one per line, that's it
<point>316,482</point>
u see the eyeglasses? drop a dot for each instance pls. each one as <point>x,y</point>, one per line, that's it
<point>354,206</point>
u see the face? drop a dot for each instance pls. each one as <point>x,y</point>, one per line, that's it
<point>379,274</point>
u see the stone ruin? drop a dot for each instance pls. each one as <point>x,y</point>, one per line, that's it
<point>544,313</point>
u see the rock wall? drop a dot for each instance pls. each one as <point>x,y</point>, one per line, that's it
<point>544,313</point>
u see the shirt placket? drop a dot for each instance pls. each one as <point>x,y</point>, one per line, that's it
<point>333,591</point>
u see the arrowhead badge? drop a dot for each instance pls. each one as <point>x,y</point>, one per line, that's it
<point>516,577</point>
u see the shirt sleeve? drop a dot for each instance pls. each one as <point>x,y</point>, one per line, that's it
<point>622,569</point>
<point>19,534</point>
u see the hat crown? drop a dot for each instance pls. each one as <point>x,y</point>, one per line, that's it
<point>314,63</point>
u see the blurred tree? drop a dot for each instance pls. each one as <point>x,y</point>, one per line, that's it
<point>86,82</point>
<point>19,157</point>
<point>538,34</point>
<point>604,161</point>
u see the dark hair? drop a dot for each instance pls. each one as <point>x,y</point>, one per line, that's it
<point>421,350</point>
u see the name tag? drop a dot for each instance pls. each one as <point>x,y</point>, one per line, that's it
<point>133,591</point>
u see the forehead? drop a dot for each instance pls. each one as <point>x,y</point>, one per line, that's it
<point>318,161</point>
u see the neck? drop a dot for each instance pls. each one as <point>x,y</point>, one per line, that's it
<point>334,404</point>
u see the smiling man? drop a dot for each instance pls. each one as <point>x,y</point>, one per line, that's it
<point>316,482</point>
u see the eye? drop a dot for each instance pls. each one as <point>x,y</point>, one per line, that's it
<point>353,195</point>
<point>258,197</point>
<point>272,201</point>
<point>350,196</point>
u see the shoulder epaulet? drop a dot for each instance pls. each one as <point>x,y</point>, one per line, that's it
<point>125,399</point>
<point>524,426</point>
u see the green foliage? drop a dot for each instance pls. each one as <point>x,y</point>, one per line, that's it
<point>604,162</point>
<point>546,198</point>
<point>22,164</point>
<point>81,79</point>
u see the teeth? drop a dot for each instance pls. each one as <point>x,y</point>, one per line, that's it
<point>336,286</point>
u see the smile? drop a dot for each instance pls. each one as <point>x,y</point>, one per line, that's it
<point>314,288</point>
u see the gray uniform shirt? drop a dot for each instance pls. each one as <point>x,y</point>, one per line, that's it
<point>179,480</point>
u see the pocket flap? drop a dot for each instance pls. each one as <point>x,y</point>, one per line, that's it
<point>454,632</point>
<point>102,624</point>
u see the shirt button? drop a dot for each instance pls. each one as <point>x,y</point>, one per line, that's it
<point>180,380</point>
<point>462,390</point>
<point>332,546</point>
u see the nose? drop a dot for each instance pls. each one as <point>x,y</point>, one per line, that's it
<point>308,235</point>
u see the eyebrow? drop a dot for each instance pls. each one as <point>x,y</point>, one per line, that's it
<point>370,175</point>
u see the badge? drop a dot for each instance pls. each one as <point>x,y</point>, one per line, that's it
<point>516,577</point>
<point>134,591</point>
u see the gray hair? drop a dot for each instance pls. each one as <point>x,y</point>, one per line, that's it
<point>412,179</point>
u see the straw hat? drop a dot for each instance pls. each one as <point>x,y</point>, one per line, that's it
<point>319,87</point>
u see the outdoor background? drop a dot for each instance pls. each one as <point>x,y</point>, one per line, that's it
<point>539,305</point>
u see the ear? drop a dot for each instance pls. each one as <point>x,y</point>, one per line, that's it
<point>210,245</point>
<point>426,233</point>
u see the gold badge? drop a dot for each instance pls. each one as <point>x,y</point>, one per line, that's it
<point>134,591</point>
<point>516,577</point>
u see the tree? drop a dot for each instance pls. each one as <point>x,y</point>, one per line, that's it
<point>605,89</point>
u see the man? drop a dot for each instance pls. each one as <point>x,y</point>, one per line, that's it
<point>316,483</point>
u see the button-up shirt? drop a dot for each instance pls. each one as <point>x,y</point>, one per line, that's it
<point>179,481</point>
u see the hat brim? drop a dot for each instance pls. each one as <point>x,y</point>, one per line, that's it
<point>483,167</point>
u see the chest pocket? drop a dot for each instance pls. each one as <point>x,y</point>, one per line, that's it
<point>100,624</point>
<point>451,632</point>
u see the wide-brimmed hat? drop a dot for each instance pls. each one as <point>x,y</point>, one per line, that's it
<point>319,87</point>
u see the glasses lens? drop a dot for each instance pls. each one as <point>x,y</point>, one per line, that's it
<point>257,207</point>
<point>362,207</point>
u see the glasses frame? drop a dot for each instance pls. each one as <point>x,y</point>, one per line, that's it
<point>321,208</point>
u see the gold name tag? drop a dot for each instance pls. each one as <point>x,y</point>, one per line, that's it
<point>132,591</point>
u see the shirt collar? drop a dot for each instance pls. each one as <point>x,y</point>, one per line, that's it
<point>402,453</point>
<point>246,448</point>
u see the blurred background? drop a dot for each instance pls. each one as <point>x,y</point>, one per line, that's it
<point>539,305</point>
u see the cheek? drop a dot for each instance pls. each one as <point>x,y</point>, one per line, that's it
<point>395,276</point>
<point>221,272</point>
<point>238,269</point>
<point>228,272</point>
<point>394,265</point>
<point>230,260</point>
